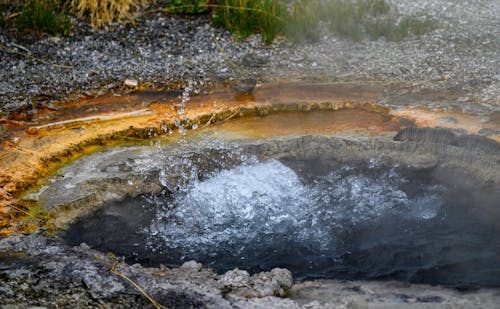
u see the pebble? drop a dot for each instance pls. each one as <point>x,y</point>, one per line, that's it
<point>131,83</point>
<point>488,132</point>
<point>448,120</point>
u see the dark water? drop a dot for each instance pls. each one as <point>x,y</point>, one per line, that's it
<point>358,221</point>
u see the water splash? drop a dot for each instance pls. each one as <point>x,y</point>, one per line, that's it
<point>264,204</point>
<point>320,219</point>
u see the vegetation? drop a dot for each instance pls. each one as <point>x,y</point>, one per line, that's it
<point>298,20</point>
<point>188,6</point>
<point>52,16</point>
<point>44,16</point>
<point>3,14</point>
<point>372,19</point>
<point>104,12</point>
<point>244,17</point>
<point>302,20</point>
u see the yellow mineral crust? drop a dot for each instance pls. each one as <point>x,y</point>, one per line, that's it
<point>34,148</point>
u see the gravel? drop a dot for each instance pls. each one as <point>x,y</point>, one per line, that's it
<point>460,56</point>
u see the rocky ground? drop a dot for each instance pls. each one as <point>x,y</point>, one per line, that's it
<point>38,272</point>
<point>459,56</point>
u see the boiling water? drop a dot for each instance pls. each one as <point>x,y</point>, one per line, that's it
<point>357,221</point>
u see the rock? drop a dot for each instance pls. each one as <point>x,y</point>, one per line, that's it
<point>192,266</point>
<point>236,278</point>
<point>277,282</point>
<point>99,285</point>
<point>453,137</point>
<point>254,60</point>
<point>448,120</point>
<point>131,83</point>
<point>268,302</point>
<point>488,132</point>
<point>245,86</point>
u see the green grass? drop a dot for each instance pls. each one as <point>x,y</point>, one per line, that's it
<point>298,20</point>
<point>302,20</point>
<point>188,6</point>
<point>344,17</point>
<point>47,16</point>
<point>3,13</point>
<point>245,17</point>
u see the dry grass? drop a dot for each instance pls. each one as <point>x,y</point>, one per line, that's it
<point>137,286</point>
<point>104,12</point>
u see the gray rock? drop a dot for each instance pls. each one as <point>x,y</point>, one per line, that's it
<point>245,86</point>
<point>254,60</point>
<point>488,132</point>
<point>448,120</point>
<point>192,266</point>
<point>236,278</point>
<point>277,282</point>
<point>452,137</point>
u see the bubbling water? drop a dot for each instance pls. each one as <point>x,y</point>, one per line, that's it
<point>318,218</point>
<point>264,207</point>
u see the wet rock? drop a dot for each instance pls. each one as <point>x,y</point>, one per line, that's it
<point>452,137</point>
<point>488,132</point>
<point>448,120</point>
<point>245,86</point>
<point>106,177</point>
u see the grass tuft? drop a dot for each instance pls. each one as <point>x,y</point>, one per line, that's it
<point>245,17</point>
<point>302,20</point>
<point>3,14</point>
<point>103,12</point>
<point>188,6</point>
<point>47,16</point>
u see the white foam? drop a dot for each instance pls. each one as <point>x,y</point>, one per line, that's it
<point>256,203</point>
